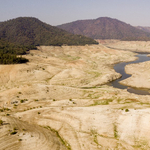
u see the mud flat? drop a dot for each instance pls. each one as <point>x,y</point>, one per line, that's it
<point>59,100</point>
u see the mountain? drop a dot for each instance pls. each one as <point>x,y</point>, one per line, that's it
<point>105,28</point>
<point>146,29</point>
<point>31,31</point>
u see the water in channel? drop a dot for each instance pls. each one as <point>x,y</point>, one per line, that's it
<point>120,68</point>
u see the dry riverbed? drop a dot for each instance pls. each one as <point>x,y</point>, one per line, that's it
<point>59,100</point>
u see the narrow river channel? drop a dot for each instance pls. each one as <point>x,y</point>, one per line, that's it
<point>120,68</point>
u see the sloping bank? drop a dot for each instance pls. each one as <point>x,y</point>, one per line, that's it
<point>135,75</point>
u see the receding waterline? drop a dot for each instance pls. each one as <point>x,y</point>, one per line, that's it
<point>120,68</point>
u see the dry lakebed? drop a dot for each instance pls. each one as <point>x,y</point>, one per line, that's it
<point>61,100</point>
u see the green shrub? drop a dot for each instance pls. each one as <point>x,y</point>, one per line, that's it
<point>126,110</point>
<point>15,128</point>
<point>1,122</point>
<point>7,109</point>
<point>1,110</point>
<point>13,132</point>
<point>23,129</point>
<point>21,101</point>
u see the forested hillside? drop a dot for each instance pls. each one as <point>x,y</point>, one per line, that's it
<point>31,31</point>
<point>19,35</point>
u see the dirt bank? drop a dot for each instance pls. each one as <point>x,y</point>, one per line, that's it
<point>136,46</point>
<point>140,75</point>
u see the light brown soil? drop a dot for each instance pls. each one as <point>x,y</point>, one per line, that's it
<point>138,46</point>
<point>140,72</point>
<point>140,75</point>
<point>55,103</point>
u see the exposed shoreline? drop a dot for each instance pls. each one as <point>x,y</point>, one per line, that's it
<point>121,83</point>
<point>44,102</point>
<point>139,72</point>
<point>140,75</point>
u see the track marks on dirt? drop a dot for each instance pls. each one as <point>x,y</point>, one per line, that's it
<point>27,136</point>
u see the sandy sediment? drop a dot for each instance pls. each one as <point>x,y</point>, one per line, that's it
<point>136,46</point>
<point>59,100</point>
<point>140,72</point>
<point>140,75</point>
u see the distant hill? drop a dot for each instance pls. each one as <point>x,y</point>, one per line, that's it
<point>105,28</point>
<point>31,31</point>
<point>146,29</point>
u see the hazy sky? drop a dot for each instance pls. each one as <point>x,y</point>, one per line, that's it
<point>56,12</point>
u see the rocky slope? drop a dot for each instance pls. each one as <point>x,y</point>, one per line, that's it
<point>105,28</point>
<point>146,29</point>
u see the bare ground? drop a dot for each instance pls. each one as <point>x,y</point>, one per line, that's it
<point>59,100</point>
<point>140,75</point>
<point>136,46</point>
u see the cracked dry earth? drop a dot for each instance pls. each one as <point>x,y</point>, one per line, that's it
<point>59,100</point>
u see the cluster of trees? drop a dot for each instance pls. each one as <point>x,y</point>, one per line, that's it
<point>12,59</point>
<point>11,48</point>
<point>9,52</point>
<point>18,36</point>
